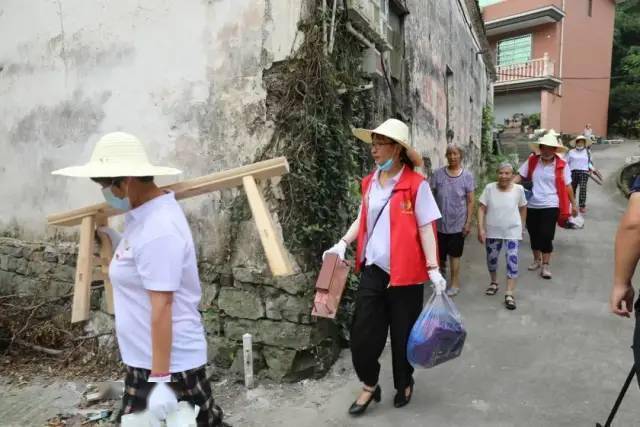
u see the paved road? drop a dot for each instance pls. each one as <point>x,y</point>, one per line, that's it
<point>558,360</point>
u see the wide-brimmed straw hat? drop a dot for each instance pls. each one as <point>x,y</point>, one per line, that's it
<point>117,154</point>
<point>394,129</point>
<point>550,139</point>
<point>586,140</point>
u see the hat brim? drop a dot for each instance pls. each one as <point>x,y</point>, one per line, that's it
<point>96,170</point>
<point>535,146</point>
<point>366,135</point>
<point>588,142</point>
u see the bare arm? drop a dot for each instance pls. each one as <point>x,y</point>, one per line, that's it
<point>470,205</point>
<point>627,254</point>
<point>482,211</point>
<point>352,232</point>
<point>161,330</point>
<point>572,198</point>
<point>517,179</point>
<point>429,245</point>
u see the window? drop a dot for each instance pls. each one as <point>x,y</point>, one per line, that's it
<point>514,50</point>
<point>590,8</point>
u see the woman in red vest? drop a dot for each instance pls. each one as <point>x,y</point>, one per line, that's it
<point>396,253</point>
<point>552,201</point>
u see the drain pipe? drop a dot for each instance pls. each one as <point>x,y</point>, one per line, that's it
<point>360,36</point>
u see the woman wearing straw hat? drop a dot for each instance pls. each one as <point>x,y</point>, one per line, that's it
<point>156,287</point>
<point>552,200</point>
<point>396,253</point>
<point>579,160</point>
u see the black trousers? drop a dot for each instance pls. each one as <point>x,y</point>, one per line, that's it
<point>541,224</point>
<point>378,309</point>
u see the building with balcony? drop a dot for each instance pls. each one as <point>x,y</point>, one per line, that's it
<point>553,58</point>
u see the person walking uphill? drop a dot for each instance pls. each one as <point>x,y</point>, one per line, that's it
<point>156,288</point>
<point>504,206</point>
<point>453,188</point>
<point>396,253</point>
<point>552,201</point>
<point>579,160</point>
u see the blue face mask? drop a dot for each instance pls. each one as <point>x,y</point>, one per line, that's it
<point>386,165</point>
<point>116,202</point>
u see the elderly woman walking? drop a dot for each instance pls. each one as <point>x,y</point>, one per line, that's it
<point>453,188</point>
<point>579,160</point>
<point>552,201</point>
<point>501,217</point>
<point>156,288</point>
<point>396,253</point>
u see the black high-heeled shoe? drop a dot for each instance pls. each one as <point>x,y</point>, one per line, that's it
<point>357,409</point>
<point>401,398</point>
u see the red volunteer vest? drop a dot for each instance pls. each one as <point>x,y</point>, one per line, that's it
<point>561,186</point>
<point>408,262</point>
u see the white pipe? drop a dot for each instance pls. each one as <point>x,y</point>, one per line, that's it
<point>247,352</point>
<point>359,36</point>
<point>333,26</point>
<point>324,26</point>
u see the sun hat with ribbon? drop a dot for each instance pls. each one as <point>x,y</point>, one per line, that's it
<point>117,154</point>
<point>550,139</point>
<point>587,141</point>
<point>394,129</point>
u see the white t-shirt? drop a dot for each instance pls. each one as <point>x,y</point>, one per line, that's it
<point>578,159</point>
<point>503,215</point>
<point>378,246</point>
<point>156,253</point>
<point>545,194</point>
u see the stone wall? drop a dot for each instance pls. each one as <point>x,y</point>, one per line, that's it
<point>288,343</point>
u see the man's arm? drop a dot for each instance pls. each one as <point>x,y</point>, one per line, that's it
<point>627,254</point>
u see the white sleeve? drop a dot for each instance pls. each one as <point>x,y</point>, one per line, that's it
<point>524,169</point>
<point>484,196</point>
<point>426,208</point>
<point>159,263</point>
<point>567,175</point>
<point>523,198</point>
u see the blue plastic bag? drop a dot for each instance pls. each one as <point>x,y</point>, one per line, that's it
<point>438,335</point>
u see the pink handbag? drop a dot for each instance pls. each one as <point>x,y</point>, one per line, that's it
<point>330,286</point>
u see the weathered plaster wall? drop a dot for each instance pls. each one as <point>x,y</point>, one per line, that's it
<point>185,76</point>
<point>438,35</point>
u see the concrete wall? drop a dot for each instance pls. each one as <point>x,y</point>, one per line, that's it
<point>588,44</point>
<point>506,105</point>
<point>440,38</point>
<point>514,7</point>
<point>185,76</point>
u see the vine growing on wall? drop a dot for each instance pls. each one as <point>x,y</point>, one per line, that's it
<point>314,112</point>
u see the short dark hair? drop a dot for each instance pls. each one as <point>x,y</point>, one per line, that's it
<point>117,180</point>
<point>404,158</point>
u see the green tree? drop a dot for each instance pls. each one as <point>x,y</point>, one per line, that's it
<point>624,103</point>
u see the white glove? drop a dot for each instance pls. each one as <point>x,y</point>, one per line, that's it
<point>162,401</point>
<point>338,249</point>
<point>439,282</point>
<point>113,235</point>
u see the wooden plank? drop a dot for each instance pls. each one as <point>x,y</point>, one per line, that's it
<point>273,247</point>
<point>189,188</point>
<point>84,272</point>
<point>106,252</point>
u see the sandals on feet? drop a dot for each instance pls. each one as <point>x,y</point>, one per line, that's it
<point>510,302</point>
<point>492,289</point>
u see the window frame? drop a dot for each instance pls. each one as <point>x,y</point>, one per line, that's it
<point>514,60</point>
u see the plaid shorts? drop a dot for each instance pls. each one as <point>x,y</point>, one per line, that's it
<point>190,386</point>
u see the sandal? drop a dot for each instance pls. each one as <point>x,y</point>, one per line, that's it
<point>492,289</point>
<point>545,273</point>
<point>510,302</point>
